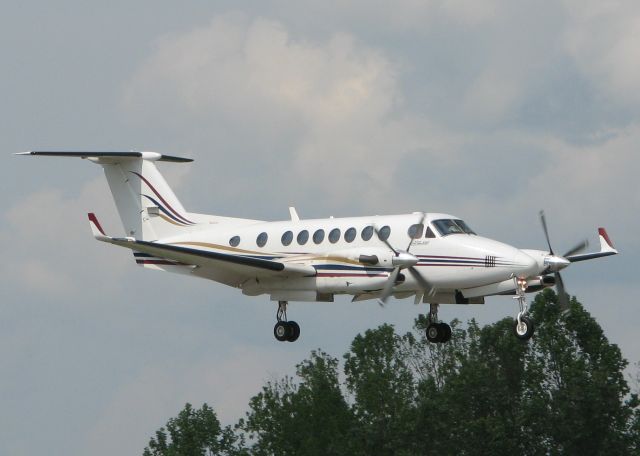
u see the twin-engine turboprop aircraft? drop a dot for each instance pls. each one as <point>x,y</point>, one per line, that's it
<point>436,258</point>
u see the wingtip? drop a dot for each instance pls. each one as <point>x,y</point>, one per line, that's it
<point>96,228</point>
<point>22,153</point>
<point>605,241</point>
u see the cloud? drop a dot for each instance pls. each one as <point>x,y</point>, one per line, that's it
<point>54,226</point>
<point>604,43</point>
<point>335,105</point>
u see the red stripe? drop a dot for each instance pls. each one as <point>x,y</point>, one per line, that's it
<point>326,274</point>
<point>161,198</point>
<point>94,220</point>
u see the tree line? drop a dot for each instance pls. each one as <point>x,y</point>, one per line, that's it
<point>484,392</point>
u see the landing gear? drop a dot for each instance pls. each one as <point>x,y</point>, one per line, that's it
<point>437,331</point>
<point>523,326</point>
<point>285,330</point>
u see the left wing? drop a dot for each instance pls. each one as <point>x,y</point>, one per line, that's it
<point>239,264</point>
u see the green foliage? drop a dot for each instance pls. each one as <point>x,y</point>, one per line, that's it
<point>192,433</point>
<point>484,392</point>
<point>311,417</point>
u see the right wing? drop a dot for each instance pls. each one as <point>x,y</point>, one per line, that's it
<point>606,249</point>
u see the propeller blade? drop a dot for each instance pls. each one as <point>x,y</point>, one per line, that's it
<point>384,240</point>
<point>426,286</point>
<point>421,222</point>
<point>563,297</point>
<point>546,231</point>
<point>388,287</point>
<point>577,248</point>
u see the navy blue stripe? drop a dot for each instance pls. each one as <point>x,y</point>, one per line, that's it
<point>167,213</point>
<point>254,262</point>
<point>339,267</point>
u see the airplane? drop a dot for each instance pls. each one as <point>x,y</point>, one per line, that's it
<point>436,258</point>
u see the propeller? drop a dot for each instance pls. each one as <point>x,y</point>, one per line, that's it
<point>558,262</point>
<point>403,260</point>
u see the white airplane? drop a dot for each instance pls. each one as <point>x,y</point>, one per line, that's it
<point>436,258</point>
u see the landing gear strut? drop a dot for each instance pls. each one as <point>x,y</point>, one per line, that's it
<point>523,326</point>
<point>437,331</point>
<point>285,330</point>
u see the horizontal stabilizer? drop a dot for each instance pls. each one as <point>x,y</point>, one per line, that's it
<point>151,156</point>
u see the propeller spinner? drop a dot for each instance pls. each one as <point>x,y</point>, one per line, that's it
<point>402,260</point>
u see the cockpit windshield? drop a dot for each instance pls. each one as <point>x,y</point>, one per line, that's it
<point>449,226</point>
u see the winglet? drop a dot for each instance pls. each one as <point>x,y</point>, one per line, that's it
<point>605,243</point>
<point>96,228</point>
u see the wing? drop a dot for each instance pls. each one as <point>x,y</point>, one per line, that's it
<point>241,265</point>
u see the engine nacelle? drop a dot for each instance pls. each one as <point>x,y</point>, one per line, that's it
<point>377,257</point>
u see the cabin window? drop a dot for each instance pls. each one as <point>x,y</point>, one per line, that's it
<point>287,238</point>
<point>318,236</point>
<point>303,237</point>
<point>350,235</point>
<point>234,241</point>
<point>367,232</point>
<point>334,235</point>
<point>261,240</point>
<point>429,233</point>
<point>384,233</point>
<point>415,231</point>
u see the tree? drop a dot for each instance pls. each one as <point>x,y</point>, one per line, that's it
<point>306,418</point>
<point>485,392</point>
<point>192,433</point>
<point>589,408</point>
<point>378,376</point>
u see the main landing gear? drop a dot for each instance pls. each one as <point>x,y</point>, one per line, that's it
<point>437,331</point>
<point>523,326</point>
<point>285,330</point>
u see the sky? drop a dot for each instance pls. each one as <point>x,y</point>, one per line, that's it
<point>490,110</point>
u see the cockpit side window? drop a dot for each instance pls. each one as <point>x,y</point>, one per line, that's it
<point>429,233</point>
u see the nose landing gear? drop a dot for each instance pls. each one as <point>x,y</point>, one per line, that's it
<point>285,330</point>
<point>523,326</point>
<point>437,331</point>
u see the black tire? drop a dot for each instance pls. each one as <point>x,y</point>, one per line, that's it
<point>525,330</point>
<point>446,332</point>
<point>294,331</point>
<point>281,331</point>
<point>434,333</point>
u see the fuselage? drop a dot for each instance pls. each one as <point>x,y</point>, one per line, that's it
<point>449,255</point>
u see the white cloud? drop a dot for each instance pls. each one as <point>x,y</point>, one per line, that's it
<point>603,39</point>
<point>337,104</point>
<point>55,227</point>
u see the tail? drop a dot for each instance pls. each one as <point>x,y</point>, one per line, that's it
<point>147,206</point>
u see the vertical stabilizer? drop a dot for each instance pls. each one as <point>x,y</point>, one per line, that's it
<point>148,208</point>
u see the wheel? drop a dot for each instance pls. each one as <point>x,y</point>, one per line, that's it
<point>294,331</point>
<point>281,331</point>
<point>524,330</point>
<point>434,333</point>
<point>446,332</point>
